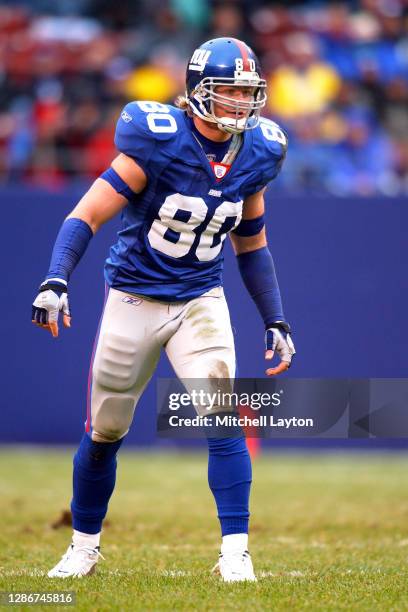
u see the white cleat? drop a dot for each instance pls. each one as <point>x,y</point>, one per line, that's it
<point>78,561</point>
<point>235,566</point>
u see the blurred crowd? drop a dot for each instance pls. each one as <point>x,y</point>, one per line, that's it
<point>337,74</point>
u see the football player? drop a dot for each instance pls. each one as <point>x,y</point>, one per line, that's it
<point>185,177</point>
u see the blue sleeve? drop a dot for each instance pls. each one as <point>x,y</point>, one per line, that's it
<point>274,156</point>
<point>272,147</point>
<point>258,273</point>
<point>269,147</point>
<point>134,138</point>
<point>70,245</point>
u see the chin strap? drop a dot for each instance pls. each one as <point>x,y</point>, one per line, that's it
<point>222,123</point>
<point>211,118</point>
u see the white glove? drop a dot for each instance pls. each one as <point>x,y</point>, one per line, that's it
<point>52,298</point>
<point>277,338</point>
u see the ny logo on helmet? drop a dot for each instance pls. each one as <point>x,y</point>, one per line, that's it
<point>199,59</point>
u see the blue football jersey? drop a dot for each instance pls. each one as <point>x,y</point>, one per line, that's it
<point>170,244</point>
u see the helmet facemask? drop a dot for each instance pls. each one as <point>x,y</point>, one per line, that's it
<point>204,97</point>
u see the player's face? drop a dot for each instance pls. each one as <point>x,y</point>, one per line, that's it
<point>237,94</point>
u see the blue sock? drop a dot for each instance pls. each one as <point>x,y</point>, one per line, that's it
<point>93,483</point>
<point>230,477</point>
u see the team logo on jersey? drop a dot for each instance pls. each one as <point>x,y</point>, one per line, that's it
<point>220,170</point>
<point>126,117</point>
<point>199,59</point>
<point>134,301</point>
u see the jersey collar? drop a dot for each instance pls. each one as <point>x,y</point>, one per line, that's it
<point>239,154</point>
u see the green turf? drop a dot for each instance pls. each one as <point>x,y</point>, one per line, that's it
<point>328,533</point>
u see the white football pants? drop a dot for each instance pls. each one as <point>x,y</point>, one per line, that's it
<point>197,337</point>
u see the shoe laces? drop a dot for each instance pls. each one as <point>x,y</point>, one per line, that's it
<point>236,558</point>
<point>82,549</point>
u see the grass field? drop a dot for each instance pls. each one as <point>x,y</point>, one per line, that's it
<point>328,533</point>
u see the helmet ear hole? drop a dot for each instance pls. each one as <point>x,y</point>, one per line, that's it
<point>202,104</point>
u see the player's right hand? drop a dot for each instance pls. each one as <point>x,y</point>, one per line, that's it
<point>52,298</point>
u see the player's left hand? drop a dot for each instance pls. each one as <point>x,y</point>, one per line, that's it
<point>277,338</point>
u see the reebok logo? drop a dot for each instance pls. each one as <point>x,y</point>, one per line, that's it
<point>126,117</point>
<point>134,301</point>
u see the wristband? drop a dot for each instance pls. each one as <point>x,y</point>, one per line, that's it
<point>56,285</point>
<point>282,325</point>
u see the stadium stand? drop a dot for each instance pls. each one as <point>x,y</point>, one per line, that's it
<point>337,73</point>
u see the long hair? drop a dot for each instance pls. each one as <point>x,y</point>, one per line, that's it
<point>182,103</point>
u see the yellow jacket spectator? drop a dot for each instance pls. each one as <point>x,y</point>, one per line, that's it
<point>306,85</point>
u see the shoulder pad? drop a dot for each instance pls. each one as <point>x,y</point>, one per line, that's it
<point>271,144</point>
<point>144,125</point>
